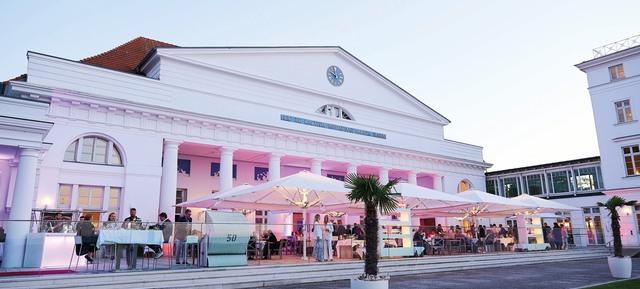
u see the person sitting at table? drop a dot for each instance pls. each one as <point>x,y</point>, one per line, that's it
<point>183,228</point>
<point>271,245</point>
<point>418,238</point>
<point>87,232</point>
<point>165,225</point>
<point>111,223</point>
<point>340,230</point>
<point>358,231</point>
<point>439,230</point>
<point>132,222</point>
<point>502,231</point>
<point>57,224</point>
<point>450,234</point>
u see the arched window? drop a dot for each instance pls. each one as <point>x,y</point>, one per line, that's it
<point>336,111</point>
<point>93,149</point>
<point>464,185</point>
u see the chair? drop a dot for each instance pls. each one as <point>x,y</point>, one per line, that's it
<point>81,248</point>
<point>438,245</point>
<point>281,245</point>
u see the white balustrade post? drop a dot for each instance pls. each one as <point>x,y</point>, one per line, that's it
<point>169,180</point>
<point>18,226</point>
<point>226,168</point>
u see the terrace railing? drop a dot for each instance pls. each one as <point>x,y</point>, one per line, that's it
<point>616,46</point>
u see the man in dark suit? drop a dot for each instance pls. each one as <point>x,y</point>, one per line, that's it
<point>272,244</point>
<point>165,225</point>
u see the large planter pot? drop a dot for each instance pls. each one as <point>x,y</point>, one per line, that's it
<point>619,267</point>
<point>362,284</point>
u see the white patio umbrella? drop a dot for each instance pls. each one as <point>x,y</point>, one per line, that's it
<point>302,190</point>
<point>209,200</point>
<point>418,198</point>
<point>482,204</point>
<point>539,205</point>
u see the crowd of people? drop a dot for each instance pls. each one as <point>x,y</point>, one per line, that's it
<point>86,229</point>
<point>557,236</point>
<point>475,238</point>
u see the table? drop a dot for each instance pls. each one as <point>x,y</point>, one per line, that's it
<point>505,241</point>
<point>131,238</point>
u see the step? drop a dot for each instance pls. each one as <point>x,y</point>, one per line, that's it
<point>245,277</point>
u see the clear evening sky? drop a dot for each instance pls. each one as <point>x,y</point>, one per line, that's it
<point>501,71</point>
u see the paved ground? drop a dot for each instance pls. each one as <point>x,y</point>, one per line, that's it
<point>547,276</point>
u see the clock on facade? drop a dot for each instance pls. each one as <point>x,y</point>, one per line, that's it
<point>334,75</point>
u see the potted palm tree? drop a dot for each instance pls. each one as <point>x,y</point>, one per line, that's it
<point>376,197</point>
<point>620,266</point>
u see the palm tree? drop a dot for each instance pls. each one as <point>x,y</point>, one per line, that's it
<point>376,197</point>
<point>612,205</point>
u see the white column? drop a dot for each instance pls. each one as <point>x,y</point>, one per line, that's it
<point>226,168</point>
<point>18,225</point>
<point>316,166</point>
<point>274,166</point>
<point>169,179</point>
<point>579,228</point>
<point>413,177</point>
<point>383,175</point>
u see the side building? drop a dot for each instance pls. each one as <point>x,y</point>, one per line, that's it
<point>577,183</point>
<point>613,77</point>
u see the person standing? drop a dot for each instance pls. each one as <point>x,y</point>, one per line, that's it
<point>565,237</point>
<point>183,229</point>
<point>134,223</point>
<point>557,236</point>
<point>328,238</point>
<point>545,232</point>
<point>318,249</point>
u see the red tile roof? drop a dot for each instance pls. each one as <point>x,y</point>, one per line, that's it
<point>126,57</point>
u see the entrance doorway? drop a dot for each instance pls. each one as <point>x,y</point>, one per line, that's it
<point>593,226</point>
<point>427,224</point>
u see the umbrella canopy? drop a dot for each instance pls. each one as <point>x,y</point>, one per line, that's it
<point>482,204</point>
<point>540,205</point>
<point>416,198</point>
<point>209,200</point>
<point>302,190</point>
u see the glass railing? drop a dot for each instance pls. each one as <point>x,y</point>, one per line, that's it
<point>111,246</point>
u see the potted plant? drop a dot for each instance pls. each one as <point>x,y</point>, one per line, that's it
<point>620,266</point>
<point>376,197</point>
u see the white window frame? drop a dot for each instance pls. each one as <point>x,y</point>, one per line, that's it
<point>626,110</point>
<point>111,147</point>
<point>633,163</point>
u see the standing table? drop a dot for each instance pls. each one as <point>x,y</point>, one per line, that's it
<point>131,239</point>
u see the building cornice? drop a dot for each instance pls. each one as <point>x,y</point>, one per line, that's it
<point>204,128</point>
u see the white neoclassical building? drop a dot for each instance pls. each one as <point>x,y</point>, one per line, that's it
<point>149,124</point>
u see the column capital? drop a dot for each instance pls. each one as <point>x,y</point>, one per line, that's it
<point>317,160</point>
<point>228,149</point>
<point>29,151</point>
<point>276,154</point>
<point>172,142</point>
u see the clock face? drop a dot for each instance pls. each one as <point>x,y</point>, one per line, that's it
<point>334,75</point>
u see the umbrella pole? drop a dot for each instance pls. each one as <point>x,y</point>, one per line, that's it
<point>304,234</point>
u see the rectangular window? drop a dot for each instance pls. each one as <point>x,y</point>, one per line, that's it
<point>534,184</point>
<point>510,187</point>
<point>491,187</point>
<point>64,197</point>
<point>631,156</point>
<point>616,72</point>
<point>90,197</point>
<point>586,179</point>
<point>623,111</point>
<point>560,182</point>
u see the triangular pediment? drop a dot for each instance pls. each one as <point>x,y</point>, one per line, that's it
<point>306,68</point>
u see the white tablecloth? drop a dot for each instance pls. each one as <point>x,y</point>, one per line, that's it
<point>146,237</point>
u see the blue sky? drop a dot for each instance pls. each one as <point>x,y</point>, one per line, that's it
<point>502,71</point>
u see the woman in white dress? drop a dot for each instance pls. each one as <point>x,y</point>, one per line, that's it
<point>328,238</point>
<point>318,249</point>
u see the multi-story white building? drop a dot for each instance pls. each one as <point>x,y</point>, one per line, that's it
<point>149,124</point>
<point>613,77</point>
